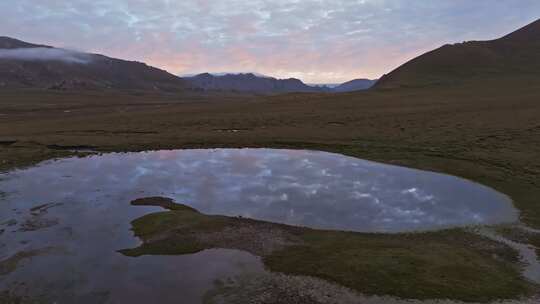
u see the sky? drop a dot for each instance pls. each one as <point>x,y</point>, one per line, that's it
<point>318,41</point>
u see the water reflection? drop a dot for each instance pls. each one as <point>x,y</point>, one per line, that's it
<point>314,189</point>
<point>80,207</point>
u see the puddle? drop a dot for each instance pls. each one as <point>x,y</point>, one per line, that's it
<point>231,130</point>
<point>81,205</point>
<point>315,189</point>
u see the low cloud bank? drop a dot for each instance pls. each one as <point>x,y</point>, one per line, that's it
<point>45,54</point>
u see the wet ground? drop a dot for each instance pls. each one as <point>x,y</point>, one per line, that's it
<point>63,221</point>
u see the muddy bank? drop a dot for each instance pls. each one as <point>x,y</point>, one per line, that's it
<point>275,288</point>
<point>449,264</point>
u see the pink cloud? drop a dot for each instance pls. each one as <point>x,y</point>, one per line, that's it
<point>317,41</point>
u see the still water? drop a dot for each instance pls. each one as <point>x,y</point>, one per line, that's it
<point>69,217</point>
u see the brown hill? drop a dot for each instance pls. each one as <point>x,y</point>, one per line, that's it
<point>514,56</point>
<point>26,65</point>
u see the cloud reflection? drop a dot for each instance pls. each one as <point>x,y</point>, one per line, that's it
<point>306,188</point>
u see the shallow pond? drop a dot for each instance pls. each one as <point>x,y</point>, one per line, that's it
<point>80,207</point>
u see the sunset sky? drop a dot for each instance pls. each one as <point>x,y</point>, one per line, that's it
<point>317,41</point>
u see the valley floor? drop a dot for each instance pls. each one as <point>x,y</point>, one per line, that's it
<point>485,133</point>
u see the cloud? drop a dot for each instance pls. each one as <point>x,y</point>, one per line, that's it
<point>315,40</point>
<point>45,54</point>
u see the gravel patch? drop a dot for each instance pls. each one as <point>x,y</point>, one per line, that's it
<point>275,288</point>
<point>259,239</point>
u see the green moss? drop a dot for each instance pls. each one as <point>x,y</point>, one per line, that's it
<point>452,264</point>
<point>163,202</point>
<point>156,223</point>
<point>422,266</point>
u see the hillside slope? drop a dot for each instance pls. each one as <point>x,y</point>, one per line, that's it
<point>515,56</point>
<point>26,65</point>
<point>354,85</point>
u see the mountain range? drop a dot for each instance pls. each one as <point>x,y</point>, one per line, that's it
<point>26,65</point>
<point>256,83</point>
<point>248,82</point>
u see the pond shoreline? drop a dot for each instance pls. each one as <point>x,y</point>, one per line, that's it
<point>340,257</point>
<point>33,155</point>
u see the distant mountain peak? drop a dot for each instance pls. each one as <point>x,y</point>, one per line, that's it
<point>254,83</point>
<point>248,82</point>
<point>221,74</point>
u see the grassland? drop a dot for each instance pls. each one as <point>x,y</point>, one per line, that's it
<point>485,132</point>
